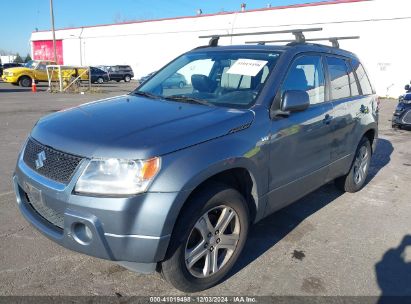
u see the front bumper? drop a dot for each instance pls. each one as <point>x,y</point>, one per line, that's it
<point>132,231</point>
<point>9,79</point>
<point>402,118</point>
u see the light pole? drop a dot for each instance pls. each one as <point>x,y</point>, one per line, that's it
<point>52,29</point>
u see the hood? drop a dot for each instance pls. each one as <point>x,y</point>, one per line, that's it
<point>135,127</point>
<point>17,69</point>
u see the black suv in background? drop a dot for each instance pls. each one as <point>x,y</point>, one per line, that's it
<point>402,114</point>
<point>120,72</point>
<point>8,66</point>
<point>98,75</point>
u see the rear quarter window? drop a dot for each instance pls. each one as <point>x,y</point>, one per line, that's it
<point>362,78</point>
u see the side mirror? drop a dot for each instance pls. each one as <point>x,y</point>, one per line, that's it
<point>295,101</point>
<point>407,87</point>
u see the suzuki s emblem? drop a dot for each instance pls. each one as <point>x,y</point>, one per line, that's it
<point>41,157</point>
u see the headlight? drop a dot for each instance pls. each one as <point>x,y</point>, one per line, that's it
<point>117,176</point>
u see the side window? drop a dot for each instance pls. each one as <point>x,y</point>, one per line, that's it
<point>306,74</point>
<point>353,82</point>
<point>362,78</point>
<point>339,81</point>
<point>41,66</point>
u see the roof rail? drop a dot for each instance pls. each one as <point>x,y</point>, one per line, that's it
<point>333,40</point>
<point>298,33</point>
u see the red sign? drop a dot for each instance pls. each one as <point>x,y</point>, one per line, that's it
<point>43,50</point>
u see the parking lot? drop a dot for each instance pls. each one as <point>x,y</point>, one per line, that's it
<point>328,243</point>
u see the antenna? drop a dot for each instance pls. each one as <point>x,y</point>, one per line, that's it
<point>298,34</point>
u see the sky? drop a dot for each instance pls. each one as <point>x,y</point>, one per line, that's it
<point>20,18</point>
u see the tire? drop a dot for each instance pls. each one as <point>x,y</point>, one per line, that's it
<point>181,85</point>
<point>127,78</point>
<point>355,179</point>
<point>216,201</point>
<point>100,80</point>
<point>118,80</point>
<point>25,81</point>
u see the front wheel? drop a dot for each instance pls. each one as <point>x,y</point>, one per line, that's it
<point>207,240</point>
<point>356,177</point>
<point>25,81</point>
<point>100,80</point>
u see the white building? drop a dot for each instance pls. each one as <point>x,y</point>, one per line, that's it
<point>7,58</point>
<point>147,45</point>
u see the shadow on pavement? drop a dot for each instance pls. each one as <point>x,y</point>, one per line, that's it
<point>394,274</point>
<point>380,158</point>
<point>268,232</point>
<point>16,90</point>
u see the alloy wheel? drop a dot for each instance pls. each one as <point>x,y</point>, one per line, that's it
<point>361,165</point>
<point>212,241</point>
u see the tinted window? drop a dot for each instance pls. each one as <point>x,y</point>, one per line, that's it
<point>362,78</point>
<point>306,74</point>
<point>340,86</point>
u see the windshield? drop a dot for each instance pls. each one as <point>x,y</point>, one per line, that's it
<point>31,64</point>
<point>218,78</point>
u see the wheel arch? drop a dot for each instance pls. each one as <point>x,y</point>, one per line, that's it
<point>372,135</point>
<point>241,178</point>
<point>24,75</point>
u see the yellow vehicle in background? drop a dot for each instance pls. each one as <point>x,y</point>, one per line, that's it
<point>36,70</point>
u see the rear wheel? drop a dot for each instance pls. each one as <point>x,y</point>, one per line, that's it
<point>355,179</point>
<point>207,240</point>
<point>127,78</point>
<point>25,81</point>
<point>181,85</point>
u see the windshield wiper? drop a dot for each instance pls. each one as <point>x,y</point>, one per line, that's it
<point>145,94</point>
<point>188,99</point>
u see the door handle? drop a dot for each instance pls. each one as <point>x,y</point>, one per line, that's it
<point>327,119</point>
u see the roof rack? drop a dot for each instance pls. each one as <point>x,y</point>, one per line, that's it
<point>298,33</point>
<point>333,40</point>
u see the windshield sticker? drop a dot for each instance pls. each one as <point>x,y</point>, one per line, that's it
<point>247,67</point>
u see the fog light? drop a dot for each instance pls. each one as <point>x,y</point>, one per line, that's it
<point>82,234</point>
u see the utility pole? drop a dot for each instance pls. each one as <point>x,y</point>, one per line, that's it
<point>52,29</point>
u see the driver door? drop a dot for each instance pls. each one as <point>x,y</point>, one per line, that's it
<point>300,146</point>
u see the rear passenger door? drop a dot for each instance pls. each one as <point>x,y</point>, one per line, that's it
<point>301,143</point>
<point>348,101</point>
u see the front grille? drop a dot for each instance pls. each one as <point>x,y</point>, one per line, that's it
<point>57,165</point>
<point>50,215</point>
<point>407,117</point>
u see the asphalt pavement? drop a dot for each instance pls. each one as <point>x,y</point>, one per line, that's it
<point>328,243</point>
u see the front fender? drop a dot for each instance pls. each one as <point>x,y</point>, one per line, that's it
<point>184,170</point>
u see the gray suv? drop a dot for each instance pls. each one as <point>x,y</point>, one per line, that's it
<point>170,179</point>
